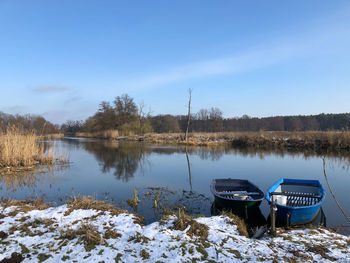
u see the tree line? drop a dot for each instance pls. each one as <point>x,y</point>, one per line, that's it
<point>124,115</point>
<point>28,122</point>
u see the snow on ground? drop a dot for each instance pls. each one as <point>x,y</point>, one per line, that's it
<point>86,235</point>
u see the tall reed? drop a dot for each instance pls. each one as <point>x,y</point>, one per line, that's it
<point>107,134</point>
<point>21,148</point>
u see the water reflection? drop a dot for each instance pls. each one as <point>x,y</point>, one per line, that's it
<point>156,201</point>
<point>204,153</point>
<point>189,169</point>
<point>19,180</point>
<point>24,178</point>
<point>123,159</point>
<point>126,166</point>
<point>336,158</point>
<point>126,157</point>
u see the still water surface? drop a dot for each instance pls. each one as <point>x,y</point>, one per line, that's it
<point>112,170</point>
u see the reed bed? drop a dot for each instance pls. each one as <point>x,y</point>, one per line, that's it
<point>21,149</point>
<point>261,139</point>
<point>108,134</point>
<point>307,139</point>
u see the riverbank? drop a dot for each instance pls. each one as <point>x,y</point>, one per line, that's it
<point>85,230</point>
<point>265,139</point>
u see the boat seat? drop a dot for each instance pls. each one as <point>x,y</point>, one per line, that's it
<point>297,199</point>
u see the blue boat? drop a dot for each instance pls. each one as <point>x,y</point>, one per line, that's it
<point>298,201</point>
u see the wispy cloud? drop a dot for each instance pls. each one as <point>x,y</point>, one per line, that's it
<point>49,88</point>
<point>235,64</point>
<point>315,40</point>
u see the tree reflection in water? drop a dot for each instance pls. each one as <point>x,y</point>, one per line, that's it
<point>23,178</point>
<point>123,158</point>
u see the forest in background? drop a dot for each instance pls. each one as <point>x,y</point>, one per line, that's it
<point>127,117</point>
<point>124,115</point>
<point>28,122</point>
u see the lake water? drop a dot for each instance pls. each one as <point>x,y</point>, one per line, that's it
<point>112,170</point>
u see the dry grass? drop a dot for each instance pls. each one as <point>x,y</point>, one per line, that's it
<point>88,202</point>
<point>237,221</point>
<point>320,250</point>
<point>90,236</point>
<point>196,229</point>
<point>109,134</point>
<point>307,139</point>
<point>18,148</point>
<point>195,139</point>
<point>87,233</point>
<point>134,201</point>
<point>24,205</point>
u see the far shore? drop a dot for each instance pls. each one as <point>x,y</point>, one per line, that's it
<point>263,139</point>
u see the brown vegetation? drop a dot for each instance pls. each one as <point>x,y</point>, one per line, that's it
<point>87,233</point>
<point>237,221</point>
<point>24,205</point>
<point>19,148</point>
<point>107,135</point>
<point>134,201</point>
<point>302,140</point>
<point>196,229</point>
<point>28,122</point>
<point>88,202</point>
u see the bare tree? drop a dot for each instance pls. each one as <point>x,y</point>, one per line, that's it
<point>125,109</point>
<point>189,113</point>
<point>215,116</point>
<point>143,114</point>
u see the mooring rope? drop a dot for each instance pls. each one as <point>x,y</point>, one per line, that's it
<point>330,190</point>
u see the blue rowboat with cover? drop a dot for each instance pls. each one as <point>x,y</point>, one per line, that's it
<point>298,201</point>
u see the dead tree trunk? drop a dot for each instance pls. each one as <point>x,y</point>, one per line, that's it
<point>189,114</point>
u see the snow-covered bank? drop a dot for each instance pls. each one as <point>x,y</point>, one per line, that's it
<point>87,233</point>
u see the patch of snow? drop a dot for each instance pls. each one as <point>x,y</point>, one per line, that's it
<point>29,234</point>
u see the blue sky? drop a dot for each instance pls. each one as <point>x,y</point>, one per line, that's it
<point>60,59</point>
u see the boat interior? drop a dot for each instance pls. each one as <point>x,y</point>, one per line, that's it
<point>296,194</point>
<point>237,189</point>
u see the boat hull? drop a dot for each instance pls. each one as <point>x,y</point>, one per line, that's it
<point>236,204</point>
<point>297,216</point>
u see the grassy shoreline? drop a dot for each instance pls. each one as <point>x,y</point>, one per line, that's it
<point>298,140</point>
<point>21,149</point>
<point>87,230</point>
<point>25,151</point>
